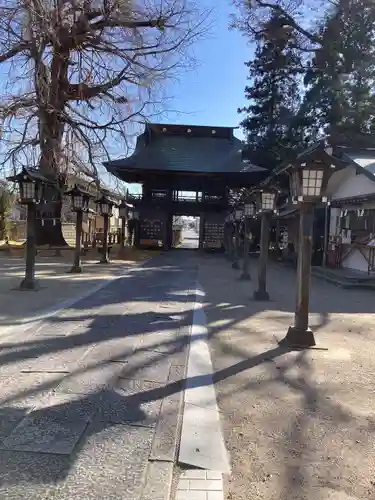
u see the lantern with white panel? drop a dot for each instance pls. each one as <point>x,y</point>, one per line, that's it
<point>31,186</point>
<point>266,206</point>
<point>250,209</point>
<point>266,200</point>
<point>80,199</point>
<point>249,212</point>
<point>309,182</point>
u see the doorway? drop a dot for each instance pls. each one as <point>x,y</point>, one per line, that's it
<point>185,230</point>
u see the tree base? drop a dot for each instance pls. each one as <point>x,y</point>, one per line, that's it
<point>28,285</point>
<point>261,295</point>
<point>245,277</point>
<point>298,338</point>
<point>75,270</point>
<point>235,265</point>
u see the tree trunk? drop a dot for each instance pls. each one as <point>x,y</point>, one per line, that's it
<point>51,128</point>
<point>48,223</point>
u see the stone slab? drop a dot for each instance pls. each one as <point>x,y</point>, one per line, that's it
<point>26,389</point>
<point>109,482</point>
<point>10,417</point>
<point>54,426</point>
<point>91,380</point>
<point>45,435</point>
<point>202,443</point>
<point>159,481</point>
<point>133,402</point>
<point>30,475</point>
<point>109,444</point>
<point>147,365</point>
<point>164,446</point>
<point>116,349</point>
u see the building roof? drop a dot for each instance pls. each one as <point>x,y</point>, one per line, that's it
<point>362,158</point>
<point>185,148</point>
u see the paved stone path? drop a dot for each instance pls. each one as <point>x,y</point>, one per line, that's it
<point>56,285</point>
<point>90,399</point>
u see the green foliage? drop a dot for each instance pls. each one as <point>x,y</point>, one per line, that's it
<point>272,125</point>
<point>348,48</point>
<point>298,92</point>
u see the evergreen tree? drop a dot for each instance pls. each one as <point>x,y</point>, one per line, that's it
<point>273,125</point>
<point>343,107</point>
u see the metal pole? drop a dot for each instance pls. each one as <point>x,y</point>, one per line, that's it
<point>299,334</point>
<point>29,282</point>
<point>261,293</point>
<point>76,268</point>
<point>104,259</point>
<point>123,231</point>
<point>245,276</point>
<point>235,264</point>
<point>230,242</point>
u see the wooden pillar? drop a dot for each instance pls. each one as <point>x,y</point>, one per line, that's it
<point>261,293</point>
<point>299,334</point>
<point>201,231</point>
<point>245,262</point>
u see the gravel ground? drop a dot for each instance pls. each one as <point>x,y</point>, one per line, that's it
<point>298,425</point>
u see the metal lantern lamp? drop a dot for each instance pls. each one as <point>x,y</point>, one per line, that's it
<point>309,177</point>
<point>104,206</point>
<point>238,215</point>
<point>80,199</point>
<point>31,186</point>
<point>250,209</point>
<point>266,201</point>
<point>308,181</point>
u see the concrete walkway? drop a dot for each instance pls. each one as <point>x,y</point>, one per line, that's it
<point>297,425</point>
<point>90,398</point>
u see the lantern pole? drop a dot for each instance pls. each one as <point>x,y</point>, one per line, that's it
<point>230,239</point>
<point>309,181</point>
<point>76,268</point>
<point>245,276</point>
<point>261,293</point>
<point>29,282</point>
<point>266,206</point>
<point>104,259</point>
<point>237,222</point>
<point>235,264</point>
<point>249,212</point>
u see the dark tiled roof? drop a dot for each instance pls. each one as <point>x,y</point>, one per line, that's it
<point>186,153</point>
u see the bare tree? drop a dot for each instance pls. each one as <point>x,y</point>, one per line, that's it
<point>80,73</point>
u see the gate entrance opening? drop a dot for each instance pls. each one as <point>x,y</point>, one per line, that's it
<point>185,232</point>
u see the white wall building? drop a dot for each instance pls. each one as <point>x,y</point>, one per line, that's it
<point>352,214</point>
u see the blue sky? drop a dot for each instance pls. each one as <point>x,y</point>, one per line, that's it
<point>211,93</point>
